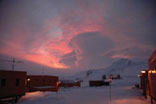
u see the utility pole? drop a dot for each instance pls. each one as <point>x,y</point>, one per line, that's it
<point>13,62</point>
<point>110,95</point>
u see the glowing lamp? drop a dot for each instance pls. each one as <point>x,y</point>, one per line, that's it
<point>28,79</point>
<point>152,71</point>
<point>143,71</point>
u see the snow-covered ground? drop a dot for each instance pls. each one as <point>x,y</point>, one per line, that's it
<point>122,92</point>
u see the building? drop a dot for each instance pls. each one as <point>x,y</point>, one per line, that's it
<point>42,83</point>
<point>12,84</point>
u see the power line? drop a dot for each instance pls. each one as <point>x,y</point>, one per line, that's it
<point>13,62</point>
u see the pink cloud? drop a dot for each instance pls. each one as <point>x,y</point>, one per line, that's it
<point>46,37</point>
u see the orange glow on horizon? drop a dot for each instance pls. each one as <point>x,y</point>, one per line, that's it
<point>46,60</point>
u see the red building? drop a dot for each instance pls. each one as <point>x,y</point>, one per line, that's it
<point>144,82</point>
<point>152,61</point>
<point>12,84</point>
<point>152,76</point>
<point>69,83</point>
<point>42,83</point>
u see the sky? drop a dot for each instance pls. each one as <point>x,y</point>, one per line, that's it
<point>77,34</point>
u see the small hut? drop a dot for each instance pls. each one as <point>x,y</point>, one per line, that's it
<point>42,83</point>
<point>69,83</point>
<point>95,83</point>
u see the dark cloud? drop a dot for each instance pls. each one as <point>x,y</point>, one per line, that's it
<point>69,59</point>
<point>132,53</point>
<point>88,50</point>
<point>91,43</point>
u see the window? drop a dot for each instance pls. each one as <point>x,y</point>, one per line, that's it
<point>17,82</point>
<point>3,82</point>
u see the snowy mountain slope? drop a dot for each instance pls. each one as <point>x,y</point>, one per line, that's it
<point>124,67</point>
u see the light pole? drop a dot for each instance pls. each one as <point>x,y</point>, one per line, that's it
<point>110,95</point>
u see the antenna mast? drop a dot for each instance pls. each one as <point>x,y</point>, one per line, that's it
<point>13,62</point>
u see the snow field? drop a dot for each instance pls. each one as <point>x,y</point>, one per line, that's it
<point>122,92</point>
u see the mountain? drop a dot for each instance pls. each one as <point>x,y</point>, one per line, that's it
<point>124,67</point>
